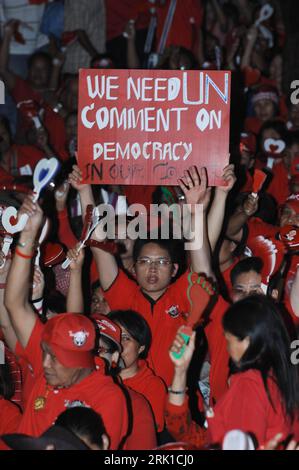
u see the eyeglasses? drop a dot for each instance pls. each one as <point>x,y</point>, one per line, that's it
<point>158,263</point>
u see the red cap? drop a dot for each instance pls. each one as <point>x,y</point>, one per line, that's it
<point>71,336</point>
<point>248,142</point>
<point>109,329</point>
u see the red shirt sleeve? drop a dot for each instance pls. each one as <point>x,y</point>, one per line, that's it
<point>65,233</point>
<point>122,284</point>
<point>180,425</point>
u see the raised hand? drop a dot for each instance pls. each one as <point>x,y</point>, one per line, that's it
<point>77,259</point>
<point>229,177</point>
<point>184,361</point>
<point>75,179</point>
<point>194,186</point>
<point>250,205</point>
<point>35,214</point>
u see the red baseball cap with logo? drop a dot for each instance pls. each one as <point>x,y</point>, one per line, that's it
<point>109,329</point>
<point>71,337</point>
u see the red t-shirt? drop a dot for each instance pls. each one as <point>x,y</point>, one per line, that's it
<point>30,374</point>
<point>257,227</point>
<point>53,122</point>
<point>25,158</point>
<point>279,185</point>
<point>187,20</point>
<point>219,357</point>
<point>152,388</point>
<point>143,435</point>
<point>10,417</point>
<point>5,177</point>
<point>119,13</point>
<point>96,391</point>
<point>164,316</point>
<point>246,406</point>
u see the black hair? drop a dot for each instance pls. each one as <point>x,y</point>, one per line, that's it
<point>245,266</point>
<point>136,326</point>
<point>40,55</point>
<point>267,209</point>
<point>83,422</point>
<point>277,125</point>
<point>7,388</point>
<point>258,318</point>
<point>292,138</point>
<point>5,123</point>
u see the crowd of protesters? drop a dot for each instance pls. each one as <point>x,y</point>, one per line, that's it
<point>95,355</point>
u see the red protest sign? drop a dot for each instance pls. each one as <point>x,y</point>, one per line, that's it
<point>147,126</point>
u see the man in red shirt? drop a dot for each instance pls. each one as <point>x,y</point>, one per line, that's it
<point>162,302</point>
<point>64,368</point>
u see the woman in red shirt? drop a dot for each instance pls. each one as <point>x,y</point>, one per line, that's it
<point>263,396</point>
<point>136,341</point>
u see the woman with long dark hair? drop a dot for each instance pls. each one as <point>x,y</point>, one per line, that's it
<point>263,394</point>
<point>262,398</point>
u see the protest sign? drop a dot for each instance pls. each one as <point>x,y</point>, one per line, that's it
<point>147,126</point>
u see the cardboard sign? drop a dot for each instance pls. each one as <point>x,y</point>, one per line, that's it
<point>147,126</point>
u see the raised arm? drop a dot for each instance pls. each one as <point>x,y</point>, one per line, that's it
<point>74,300</point>
<point>84,190</point>
<point>249,45</point>
<point>106,263</point>
<point>21,312</point>
<point>132,56</point>
<point>217,209</point>
<point>240,217</point>
<point>8,77</point>
<point>197,195</point>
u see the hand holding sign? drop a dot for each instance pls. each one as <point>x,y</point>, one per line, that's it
<point>194,186</point>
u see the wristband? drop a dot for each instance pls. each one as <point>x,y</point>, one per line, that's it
<point>22,255</point>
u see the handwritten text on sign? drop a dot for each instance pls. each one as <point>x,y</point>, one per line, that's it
<point>147,127</point>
